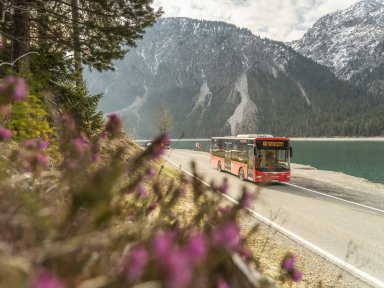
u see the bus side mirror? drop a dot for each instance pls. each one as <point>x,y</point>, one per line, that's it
<point>290,152</point>
<point>254,151</point>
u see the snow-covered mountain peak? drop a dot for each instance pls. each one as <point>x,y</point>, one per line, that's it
<point>348,41</point>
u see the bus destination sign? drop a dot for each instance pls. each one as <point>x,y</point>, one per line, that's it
<point>272,144</point>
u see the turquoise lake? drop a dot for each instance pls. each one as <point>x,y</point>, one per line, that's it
<point>357,158</point>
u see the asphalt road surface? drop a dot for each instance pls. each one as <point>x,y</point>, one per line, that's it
<point>347,231</point>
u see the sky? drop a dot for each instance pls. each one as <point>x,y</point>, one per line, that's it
<point>283,20</point>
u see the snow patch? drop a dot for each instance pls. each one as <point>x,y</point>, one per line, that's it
<point>274,72</point>
<point>246,106</point>
<point>135,106</point>
<point>303,93</point>
<point>204,98</point>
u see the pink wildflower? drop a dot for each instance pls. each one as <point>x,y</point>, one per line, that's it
<point>224,186</point>
<point>177,268</point>
<point>13,88</point>
<point>158,146</point>
<point>288,263</point>
<point>5,134</point>
<point>135,263</point>
<point>221,283</point>
<point>35,144</point>
<point>196,247</point>
<point>227,235</point>
<point>150,172</point>
<point>20,91</point>
<point>46,280</point>
<point>296,275</point>
<point>38,162</point>
<point>288,266</point>
<point>162,243</point>
<point>246,199</point>
<point>43,144</point>
<point>141,191</point>
<point>113,125</point>
<point>151,208</point>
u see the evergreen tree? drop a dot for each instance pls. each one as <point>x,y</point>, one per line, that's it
<point>67,34</point>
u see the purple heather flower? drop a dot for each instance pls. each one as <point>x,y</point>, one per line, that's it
<point>39,162</point>
<point>141,191</point>
<point>80,144</point>
<point>224,210</point>
<point>245,252</point>
<point>158,146</point>
<point>135,263</point>
<point>224,186</point>
<point>13,88</point>
<point>29,144</point>
<point>227,235</point>
<point>46,280</point>
<point>43,144</point>
<point>150,172</point>
<point>288,263</point>
<point>296,275</point>
<point>113,125</point>
<point>246,199</point>
<point>221,283</point>
<point>20,91</point>
<point>34,144</point>
<point>176,265</point>
<point>5,134</point>
<point>151,208</point>
<point>162,243</point>
<point>196,247</point>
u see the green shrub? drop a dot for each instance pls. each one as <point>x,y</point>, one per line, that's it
<point>29,119</point>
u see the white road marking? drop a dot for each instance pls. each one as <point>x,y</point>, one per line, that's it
<point>323,194</point>
<point>342,264</point>
<point>333,197</point>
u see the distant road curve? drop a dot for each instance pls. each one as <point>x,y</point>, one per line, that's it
<point>322,223</point>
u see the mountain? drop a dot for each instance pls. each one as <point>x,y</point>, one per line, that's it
<point>217,79</point>
<point>351,43</point>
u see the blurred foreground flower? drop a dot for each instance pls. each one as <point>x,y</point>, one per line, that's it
<point>222,284</point>
<point>197,247</point>
<point>113,126</point>
<point>288,265</point>
<point>135,263</point>
<point>246,199</point>
<point>156,149</point>
<point>46,280</point>
<point>5,134</point>
<point>227,235</point>
<point>12,88</point>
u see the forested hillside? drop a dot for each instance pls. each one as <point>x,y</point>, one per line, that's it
<point>218,79</point>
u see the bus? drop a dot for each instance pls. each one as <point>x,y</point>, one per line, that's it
<point>254,157</point>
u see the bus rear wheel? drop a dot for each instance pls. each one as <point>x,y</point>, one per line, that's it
<point>241,174</point>
<point>219,166</point>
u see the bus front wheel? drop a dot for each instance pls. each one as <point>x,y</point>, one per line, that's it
<point>241,174</point>
<point>219,166</point>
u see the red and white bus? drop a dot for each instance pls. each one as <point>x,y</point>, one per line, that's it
<point>258,158</point>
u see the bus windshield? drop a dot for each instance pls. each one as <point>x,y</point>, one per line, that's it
<point>273,160</point>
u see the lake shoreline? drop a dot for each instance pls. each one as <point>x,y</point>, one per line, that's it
<point>337,139</point>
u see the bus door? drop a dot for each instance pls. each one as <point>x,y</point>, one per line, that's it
<point>228,156</point>
<point>251,161</point>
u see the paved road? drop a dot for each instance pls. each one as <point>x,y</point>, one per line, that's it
<point>327,223</point>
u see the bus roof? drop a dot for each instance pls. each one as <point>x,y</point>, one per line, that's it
<point>252,137</point>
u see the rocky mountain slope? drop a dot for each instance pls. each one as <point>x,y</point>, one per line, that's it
<point>218,79</point>
<point>351,43</point>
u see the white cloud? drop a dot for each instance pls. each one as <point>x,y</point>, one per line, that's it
<point>283,20</point>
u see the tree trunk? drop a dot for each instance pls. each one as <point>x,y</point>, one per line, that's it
<point>21,33</point>
<point>76,44</point>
